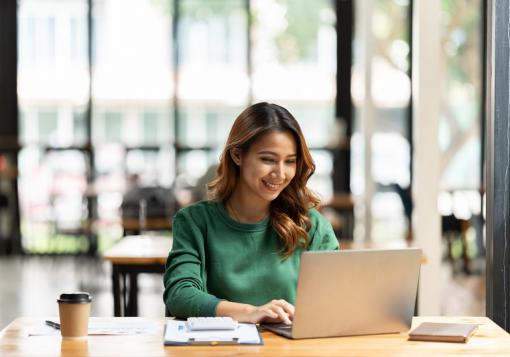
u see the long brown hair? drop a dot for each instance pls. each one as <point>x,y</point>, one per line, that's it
<point>289,211</point>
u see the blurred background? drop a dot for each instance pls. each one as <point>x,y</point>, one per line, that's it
<point>123,108</point>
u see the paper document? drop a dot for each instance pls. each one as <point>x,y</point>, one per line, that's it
<point>178,333</point>
<point>102,328</point>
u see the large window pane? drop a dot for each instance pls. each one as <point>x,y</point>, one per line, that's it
<point>460,112</point>
<point>213,52</point>
<point>294,64</point>
<point>213,81</point>
<point>53,84</point>
<point>459,126</point>
<point>132,95</point>
<point>52,73</point>
<point>132,70</point>
<point>390,142</point>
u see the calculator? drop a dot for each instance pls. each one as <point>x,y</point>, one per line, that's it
<point>211,323</point>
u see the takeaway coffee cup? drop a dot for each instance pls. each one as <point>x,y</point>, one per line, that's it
<point>74,311</point>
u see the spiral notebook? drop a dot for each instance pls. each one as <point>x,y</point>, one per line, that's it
<point>177,333</point>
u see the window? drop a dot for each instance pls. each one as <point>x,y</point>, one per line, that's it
<point>294,64</point>
<point>166,128</point>
<point>459,131</point>
<point>390,142</point>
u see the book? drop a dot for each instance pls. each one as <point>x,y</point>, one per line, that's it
<point>442,332</point>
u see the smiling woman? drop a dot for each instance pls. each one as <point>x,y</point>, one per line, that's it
<point>238,254</point>
<point>264,169</point>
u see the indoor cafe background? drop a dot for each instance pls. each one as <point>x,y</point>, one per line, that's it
<point>124,106</point>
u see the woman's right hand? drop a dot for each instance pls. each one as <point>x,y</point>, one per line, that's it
<point>274,311</point>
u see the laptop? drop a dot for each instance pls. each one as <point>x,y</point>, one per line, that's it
<point>354,292</point>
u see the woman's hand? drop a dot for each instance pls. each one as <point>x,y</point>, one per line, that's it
<point>273,311</point>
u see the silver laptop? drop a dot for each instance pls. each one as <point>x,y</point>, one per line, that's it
<point>354,292</point>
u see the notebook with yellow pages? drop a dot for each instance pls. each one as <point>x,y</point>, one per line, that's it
<point>442,332</point>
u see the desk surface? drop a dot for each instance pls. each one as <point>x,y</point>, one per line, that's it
<point>140,250</point>
<point>489,339</point>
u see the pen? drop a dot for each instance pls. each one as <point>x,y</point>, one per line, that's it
<point>53,324</point>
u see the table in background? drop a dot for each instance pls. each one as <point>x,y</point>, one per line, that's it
<point>339,210</point>
<point>489,339</point>
<point>131,256</point>
<point>132,226</point>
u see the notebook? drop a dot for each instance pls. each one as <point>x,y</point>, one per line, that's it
<point>442,332</point>
<point>354,292</point>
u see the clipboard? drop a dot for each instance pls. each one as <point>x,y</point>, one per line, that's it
<point>177,333</point>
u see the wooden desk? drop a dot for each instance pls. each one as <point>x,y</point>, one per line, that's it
<point>131,256</point>
<point>488,340</point>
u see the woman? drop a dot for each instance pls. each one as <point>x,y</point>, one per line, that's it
<point>238,254</point>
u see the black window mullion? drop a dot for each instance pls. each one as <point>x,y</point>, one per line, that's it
<point>409,116</point>
<point>483,114</point>
<point>498,160</point>
<point>89,150</point>
<point>9,129</point>
<point>249,50</point>
<point>343,103</point>
<point>176,60</point>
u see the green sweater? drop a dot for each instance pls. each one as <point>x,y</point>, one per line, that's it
<point>216,258</point>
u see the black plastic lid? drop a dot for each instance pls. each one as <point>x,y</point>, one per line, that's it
<point>75,298</point>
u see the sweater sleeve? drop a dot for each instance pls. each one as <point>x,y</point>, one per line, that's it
<point>322,236</point>
<point>185,276</point>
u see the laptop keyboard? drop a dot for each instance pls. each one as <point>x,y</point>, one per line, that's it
<point>281,329</point>
<point>284,327</point>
